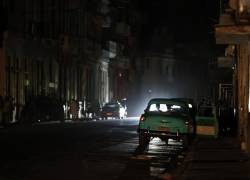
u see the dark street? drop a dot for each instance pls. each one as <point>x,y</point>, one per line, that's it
<point>124,89</point>
<point>83,150</point>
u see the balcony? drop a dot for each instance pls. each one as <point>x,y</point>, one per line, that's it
<point>234,22</point>
<point>244,12</point>
<point>235,12</point>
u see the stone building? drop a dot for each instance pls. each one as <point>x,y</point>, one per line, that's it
<point>66,49</point>
<point>233,32</point>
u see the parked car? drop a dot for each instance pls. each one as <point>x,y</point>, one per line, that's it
<point>191,105</point>
<point>93,110</point>
<point>166,119</point>
<point>41,109</point>
<point>207,121</point>
<point>113,110</point>
<point>192,108</point>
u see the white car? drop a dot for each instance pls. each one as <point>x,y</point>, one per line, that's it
<point>113,110</point>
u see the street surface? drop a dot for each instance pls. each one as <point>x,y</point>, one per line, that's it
<point>104,149</point>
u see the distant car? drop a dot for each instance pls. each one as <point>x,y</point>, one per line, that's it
<point>166,119</point>
<point>113,110</point>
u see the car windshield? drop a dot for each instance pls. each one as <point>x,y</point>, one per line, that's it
<point>111,106</point>
<point>166,108</point>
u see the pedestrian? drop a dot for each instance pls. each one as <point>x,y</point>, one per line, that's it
<point>201,103</point>
<point>59,110</point>
<point>96,109</point>
<point>73,109</point>
<point>66,109</point>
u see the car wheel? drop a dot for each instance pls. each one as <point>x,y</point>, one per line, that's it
<point>143,139</point>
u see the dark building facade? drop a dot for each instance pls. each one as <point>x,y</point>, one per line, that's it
<point>233,33</point>
<point>67,49</point>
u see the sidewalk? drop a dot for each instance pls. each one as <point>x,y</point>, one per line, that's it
<point>215,159</point>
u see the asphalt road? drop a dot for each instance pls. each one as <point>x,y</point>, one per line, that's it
<point>105,149</point>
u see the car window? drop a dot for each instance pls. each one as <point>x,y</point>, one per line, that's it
<point>152,108</point>
<point>158,107</point>
<point>112,105</point>
<point>163,108</point>
<point>175,108</point>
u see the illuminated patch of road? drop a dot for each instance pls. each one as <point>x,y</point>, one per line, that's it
<point>161,155</point>
<point>151,161</point>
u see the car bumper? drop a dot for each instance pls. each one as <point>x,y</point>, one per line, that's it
<point>162,134</point>
<point>110,115</point>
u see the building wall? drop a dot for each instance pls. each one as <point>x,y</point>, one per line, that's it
<point>55,48</point>
<point>2,74</point>
<point>46,50</point>
<point>157,76</point>
<point>233,34</point>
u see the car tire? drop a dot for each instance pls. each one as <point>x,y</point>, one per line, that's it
<point>143,139</point>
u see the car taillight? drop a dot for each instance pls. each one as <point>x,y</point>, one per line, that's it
<point>142,118</point>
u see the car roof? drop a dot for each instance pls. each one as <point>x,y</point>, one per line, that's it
<point>111,103</point>
<point>167,100</point>
<point>188,100</point>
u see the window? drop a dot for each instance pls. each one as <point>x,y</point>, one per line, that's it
<point>158,108</point>
<point>163,107</point>
<point>167,108</point>
<point>153,107</point>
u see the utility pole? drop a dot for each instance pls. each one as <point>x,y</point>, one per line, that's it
<point>243,84</point>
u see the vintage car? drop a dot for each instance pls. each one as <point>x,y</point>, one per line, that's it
<point>192,108</point>
<point>207,122</point>
<point>191,105</point>
<point>41,109</point>
<point>166,119</point>
<point>113,110</point>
